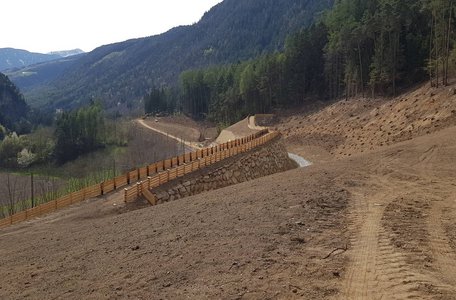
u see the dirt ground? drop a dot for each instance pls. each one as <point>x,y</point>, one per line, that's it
<point>240,129</point>
<point>346,128</point>
<point>372,218</point>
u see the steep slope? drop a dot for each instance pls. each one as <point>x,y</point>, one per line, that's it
<point>13,109</point>
<point>231,31</point>
<point>16,58</point>
<point>349,127</point>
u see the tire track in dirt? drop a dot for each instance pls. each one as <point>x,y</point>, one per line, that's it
<point>360,280</point>
<point>404,222</point>
<point>377,269</point>
<point>442,252</point>
<point>429,155</point>
<point>443,205</point>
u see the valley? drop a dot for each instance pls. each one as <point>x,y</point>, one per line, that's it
<point>164,161</point>
<point>372,224</point>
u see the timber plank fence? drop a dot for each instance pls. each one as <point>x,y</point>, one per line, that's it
<point>197,161</point>
<point>154,174</point>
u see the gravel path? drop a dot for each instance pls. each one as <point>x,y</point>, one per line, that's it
<point>190,146</point>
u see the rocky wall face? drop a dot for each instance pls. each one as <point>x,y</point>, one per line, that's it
<point>262,161</point>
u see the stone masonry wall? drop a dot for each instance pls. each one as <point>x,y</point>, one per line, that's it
<point>267,159</point>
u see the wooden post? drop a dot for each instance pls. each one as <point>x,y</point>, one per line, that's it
<point>32,189</point>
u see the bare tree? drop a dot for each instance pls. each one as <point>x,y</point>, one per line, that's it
<point>11,191</point>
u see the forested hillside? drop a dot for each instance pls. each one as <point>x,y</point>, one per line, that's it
<point>369,47</point>
<point>15,58</point>
<point>40,74</point>
<point>13,109</point>
<point>233,30</point>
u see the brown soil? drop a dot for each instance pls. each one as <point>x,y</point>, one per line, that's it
<point>229,243</point>
<point>345,128</point>
<point>360,223</point>
<point>235,131</point>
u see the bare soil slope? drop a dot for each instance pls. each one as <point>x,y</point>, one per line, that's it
<point>367,224</point>
<point>235,131</point>
<point>359,125</point>
<point>258,240</point>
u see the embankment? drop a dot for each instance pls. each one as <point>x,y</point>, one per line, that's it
<point>265,160</point>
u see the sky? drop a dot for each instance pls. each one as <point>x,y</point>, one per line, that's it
<point>51,25</point>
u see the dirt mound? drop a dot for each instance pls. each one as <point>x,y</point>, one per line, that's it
<point>238,130</point>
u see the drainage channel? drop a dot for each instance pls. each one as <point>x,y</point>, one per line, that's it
<point>299,160</point>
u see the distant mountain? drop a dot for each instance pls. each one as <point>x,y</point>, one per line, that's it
<point>13,109</point>
<point>121,73</point>
<point>36,76</point>
<point>13,59</point>
<point>66,53</point>
<point>16,58</point>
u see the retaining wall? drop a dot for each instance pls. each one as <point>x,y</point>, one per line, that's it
<point>265,160</point>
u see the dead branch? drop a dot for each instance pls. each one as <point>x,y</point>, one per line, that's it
<point>337,249</point>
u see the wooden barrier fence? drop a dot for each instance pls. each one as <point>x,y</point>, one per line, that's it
<point>209,156</point>
<point>154,174</point>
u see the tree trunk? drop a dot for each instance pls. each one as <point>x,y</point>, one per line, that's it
<point>447,52</point>
<point>10,194</point>
<point>361,68</point>
<point>436,47</point>
<point>347,86</point>
<point>430,63</point>
<point>395,49</point>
